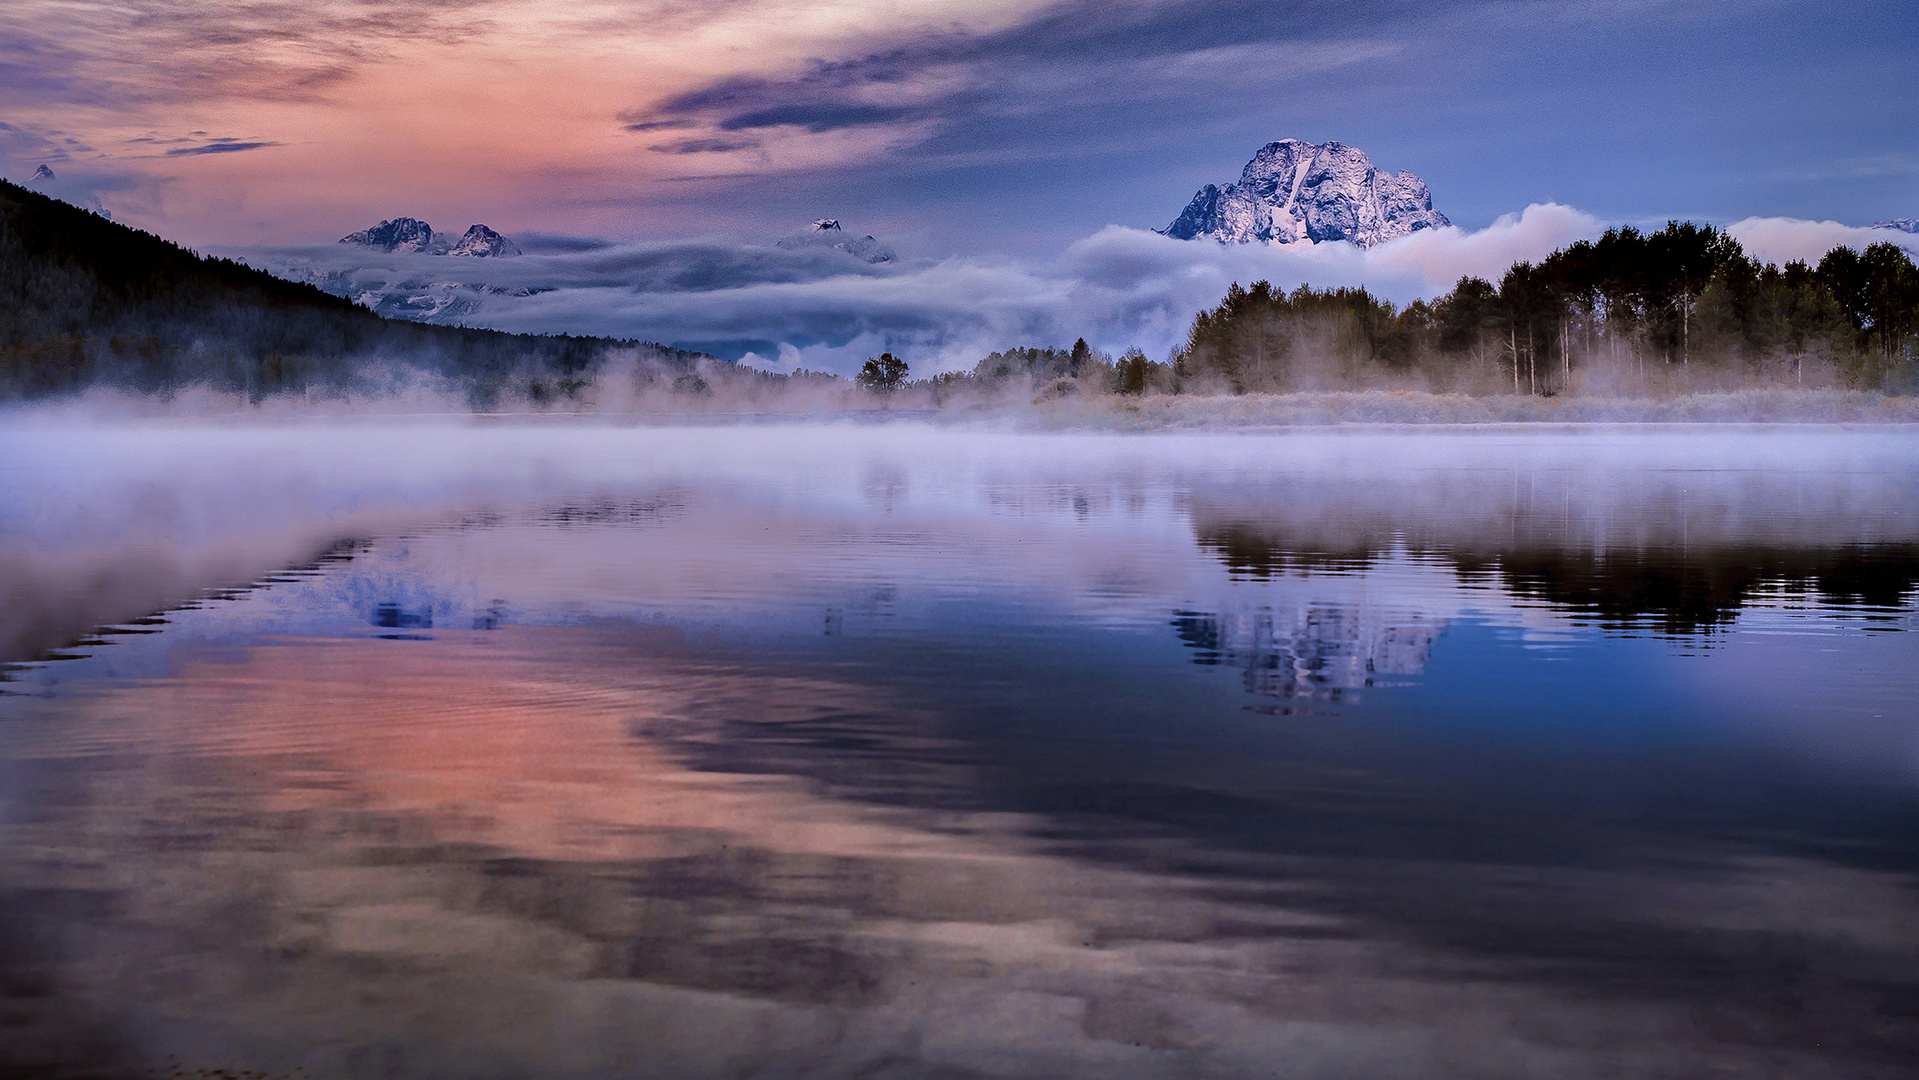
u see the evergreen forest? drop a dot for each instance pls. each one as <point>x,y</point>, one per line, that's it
<point>1631,313</point>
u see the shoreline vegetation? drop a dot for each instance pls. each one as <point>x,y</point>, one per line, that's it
<point>1678,325</point>
<point>1151,412</point>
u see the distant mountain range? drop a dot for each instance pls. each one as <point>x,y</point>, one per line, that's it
<point>405,234</point>
<point>1296,191</point>
<point>1903,224</point>
<point>436,290</point>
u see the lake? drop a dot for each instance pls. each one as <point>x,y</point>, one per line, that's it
<point>453,748</point>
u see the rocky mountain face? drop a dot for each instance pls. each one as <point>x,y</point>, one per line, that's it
<point>481,242</point>
<point>394,234</point>
<point>1296,191</point>
<point>827,232</point>
<point>1903,224</point>
<point>405,234</point>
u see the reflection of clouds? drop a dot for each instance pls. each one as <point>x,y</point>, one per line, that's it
<point>487,848</point>
<point>434,854</point>
<point>477,807</point>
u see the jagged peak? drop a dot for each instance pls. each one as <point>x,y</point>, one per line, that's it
<point>394,234</point>
<point>482,242</point>
<point>46,182</point>
<point>409,234</point>
<point>1294,191</point>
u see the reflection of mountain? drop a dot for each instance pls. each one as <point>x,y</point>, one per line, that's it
<point>1311,650</point>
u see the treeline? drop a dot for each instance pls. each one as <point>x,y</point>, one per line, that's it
<point>85,301</point>
<point>1678,309</point>
<point>1047,373</point>
<point>1629,314</point>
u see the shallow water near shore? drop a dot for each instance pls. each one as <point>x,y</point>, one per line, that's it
<point>394,750</point>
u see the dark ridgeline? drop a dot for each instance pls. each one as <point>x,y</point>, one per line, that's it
<point>1683,307</point>
<point>85,301</point>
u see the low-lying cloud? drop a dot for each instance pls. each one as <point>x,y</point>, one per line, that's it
<point>1782,240</point>
<point>827,310</point>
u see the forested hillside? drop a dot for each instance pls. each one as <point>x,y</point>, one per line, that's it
<point>1684,308</point>
<point>85,301</point>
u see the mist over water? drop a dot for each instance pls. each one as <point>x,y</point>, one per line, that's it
<point>466,747</point>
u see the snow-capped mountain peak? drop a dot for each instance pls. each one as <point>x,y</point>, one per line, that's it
<point>405,234</point>
<point>394,234</point>
<point>1293,191</point>
<point>1903,224</point>
<point>481,242</point>
<point>70,192</point>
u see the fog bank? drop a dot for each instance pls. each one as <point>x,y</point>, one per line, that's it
<point>822,309</point>
<point>102,522</point>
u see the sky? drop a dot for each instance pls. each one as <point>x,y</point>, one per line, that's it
<point>982,131</point>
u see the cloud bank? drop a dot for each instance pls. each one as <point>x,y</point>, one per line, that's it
<point>1782,240</point>
<point>826,310</point>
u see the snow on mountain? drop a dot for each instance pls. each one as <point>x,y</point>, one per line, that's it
<point>481,242</point>
<point>394,234</point>
<point>403,269</point>
<point>1903,224</point>
<point>407,235</point>
<point>826,232</point>
<point>394,294</point>
<point>1293,191</point>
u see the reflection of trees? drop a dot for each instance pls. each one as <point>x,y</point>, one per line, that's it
<point>1310,650</point>
<point>1679,554</point>
<point>1690,592</point>
<point>1249,552</point>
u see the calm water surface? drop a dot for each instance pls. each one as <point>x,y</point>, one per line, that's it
<point>442,750</point>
